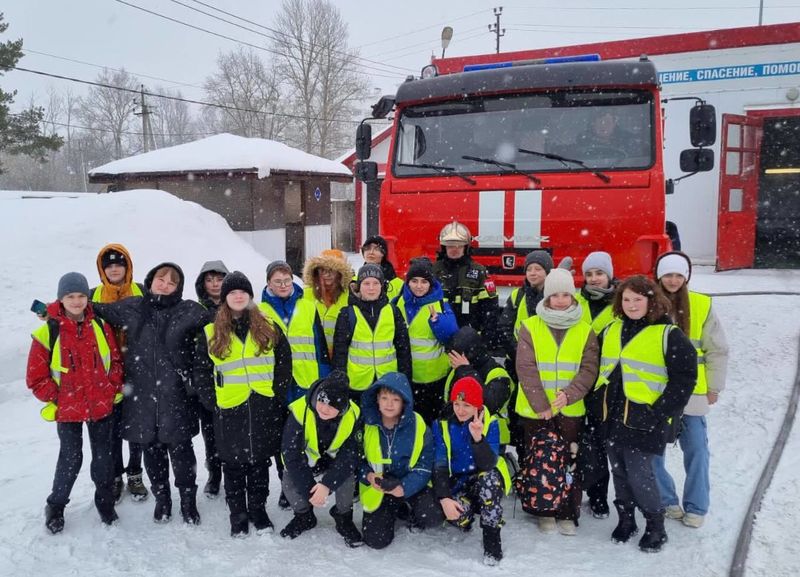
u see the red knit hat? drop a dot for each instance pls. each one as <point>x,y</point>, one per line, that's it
<point>469,390</point>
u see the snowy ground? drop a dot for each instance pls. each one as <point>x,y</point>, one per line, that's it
<point>45,238</point>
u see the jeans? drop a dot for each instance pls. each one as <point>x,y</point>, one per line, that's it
<point>694,444</point>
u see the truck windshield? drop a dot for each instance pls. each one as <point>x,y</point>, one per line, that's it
<point>606,130</point>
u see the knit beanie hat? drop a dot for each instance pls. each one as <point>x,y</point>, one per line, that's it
<point>379,240</point>
<point>277,265</point>
<point>333,253</point>
<point>113,256</point>
<point>674,262</point>
<point>370,271</point>
<point>72,282</point>
<point>558,280</point>
<point>469,390</point>
<point>235,281</point>
<point>599,260</point>
<point>421,267</point>
<point>334,390</point>
<point>540,257</point>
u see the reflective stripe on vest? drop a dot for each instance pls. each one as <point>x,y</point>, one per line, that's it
<point>699,308</point>
<point>501,465</point>
<point>327,315</point>
<point>601,321</point>
<point>306,417</point>
<point>242,371</point>
<point>300,334</point>
<point>42,334</point>
<point>98,292</point>
<point>522,312</point>
<point>429,361</point>
<point>644,368</point>
<point>371,354</point>
<point>557,364</point>
<point>371,498</point>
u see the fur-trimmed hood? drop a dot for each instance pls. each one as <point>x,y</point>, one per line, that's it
<point>311,272</point>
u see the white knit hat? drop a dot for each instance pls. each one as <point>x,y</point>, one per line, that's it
<point>599,260</point>
<point>558,280</point>
<point>673,263</point>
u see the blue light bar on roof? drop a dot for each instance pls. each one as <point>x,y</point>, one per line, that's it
<point>553,60</point>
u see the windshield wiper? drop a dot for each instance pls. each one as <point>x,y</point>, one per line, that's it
<point>564,160</point>
<point>512,168</point>
<point>442,169</point>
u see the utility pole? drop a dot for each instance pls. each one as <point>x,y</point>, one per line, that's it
<point>760,12</point>
<point>498,32</point>
<point>148,140</point>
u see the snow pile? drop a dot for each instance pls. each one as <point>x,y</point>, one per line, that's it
<point>224,152</point>
<point>44,238</point>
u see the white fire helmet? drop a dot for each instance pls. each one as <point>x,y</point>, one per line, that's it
<point>455,234</point>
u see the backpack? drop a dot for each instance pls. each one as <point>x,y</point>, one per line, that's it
<point>544,479</point>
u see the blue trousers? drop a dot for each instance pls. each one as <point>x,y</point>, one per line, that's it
<point>694,444</point>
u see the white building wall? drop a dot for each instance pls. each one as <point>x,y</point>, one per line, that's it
<point>318,238</point>
<point>693,207</point>
<point>270,243</point>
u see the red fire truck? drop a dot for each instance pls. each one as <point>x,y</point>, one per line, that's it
<point>562,155</point>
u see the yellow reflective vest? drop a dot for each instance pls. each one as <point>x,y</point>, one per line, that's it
<point>557,364</point>
<point>306,417</point>
<point>429,361</point>
<point>501,465</point>
<point>242,371</point>
<point>699,308</point>
<point>502,415</point>
<point>601,321</point>
<point>300,334</point>
<point>371,353</point>
<point>327,314</point>
<point>642,361</point>
<point>42,334</point>
<point>370,497</point>
<point>522,311</point>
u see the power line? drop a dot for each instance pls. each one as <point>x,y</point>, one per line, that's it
<point>639,8</point>
<point>433,43</point>
<point>405,34</point>
<point>283,34</point>
<point>217,34</point>
<point>180,99</point>
<point>610,27</point>
<point>128,132</point>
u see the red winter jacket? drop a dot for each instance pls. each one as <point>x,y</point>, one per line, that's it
<point>86,392</point>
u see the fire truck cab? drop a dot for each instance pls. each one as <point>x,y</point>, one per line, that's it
<point>562,156</point>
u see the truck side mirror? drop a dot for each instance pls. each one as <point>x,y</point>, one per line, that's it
<point>703,125</point>
<point>363,141</point>
<point>367,171</point>
<point>697,160</point>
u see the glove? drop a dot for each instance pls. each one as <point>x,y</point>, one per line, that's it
<point>566,264</point>
<point>387,483</point>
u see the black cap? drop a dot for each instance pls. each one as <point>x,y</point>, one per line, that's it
<point>540,257</point>
<point>112,256</point>
<point>334,390</point>
<point>379,240</point>
<point>421,267</point>
<point>235,281</point>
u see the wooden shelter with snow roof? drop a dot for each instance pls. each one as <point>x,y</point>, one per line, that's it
<point>275,196</point>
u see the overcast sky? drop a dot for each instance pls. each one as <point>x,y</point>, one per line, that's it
<point>401,36</point>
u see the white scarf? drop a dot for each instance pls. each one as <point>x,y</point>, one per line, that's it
<point>560,319</point>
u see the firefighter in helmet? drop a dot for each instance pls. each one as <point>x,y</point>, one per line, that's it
<point>466,283</point>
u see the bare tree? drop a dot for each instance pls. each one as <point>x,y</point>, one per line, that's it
<point>321,71</point>
<point>109,111</point>
<point>251,91</point>
<point>172,120</point>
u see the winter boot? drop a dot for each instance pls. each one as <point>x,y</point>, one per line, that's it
<point>163,510</point>
<point>108,517</point>
<point>211,489</point>
<point>492,547</point>
<point>260,520</point>
<point>655,536</point>
<point>283,502</point>
<point>119,485</point>
<point>189,506</point>
<point>136,488</point>
<point>346,528</point>
<point>626,528</point>
<point>599,508</point>
<point>240,525</point>
<point>300,523</point>
<point>54,518</point>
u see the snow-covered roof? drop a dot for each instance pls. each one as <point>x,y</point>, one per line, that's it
<point>223,152</point>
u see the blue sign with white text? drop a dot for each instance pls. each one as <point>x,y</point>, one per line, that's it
<point>730,72</point>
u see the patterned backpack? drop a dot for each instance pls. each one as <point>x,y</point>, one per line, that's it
<point>544,479</point>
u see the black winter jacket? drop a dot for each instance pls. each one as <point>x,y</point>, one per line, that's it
<point>337,470</point>
<point>160,332</point>
<point>343,333</point>
<point>250,432</point>
<point>652,427</point>
<point>505,325</point>
<point>470,344</point>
